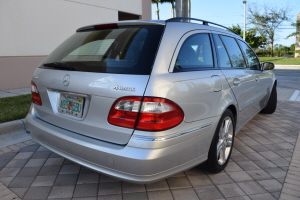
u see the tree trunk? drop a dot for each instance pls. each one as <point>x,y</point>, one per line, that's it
<point>272,45</point>
<point>173,8</point>
<point>185,7</point>
<point>272,53</point>
<point>189,6</point>
<point>157,10</point>
<point>178,8</point>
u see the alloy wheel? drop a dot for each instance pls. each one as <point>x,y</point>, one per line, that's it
<point>225,140</point>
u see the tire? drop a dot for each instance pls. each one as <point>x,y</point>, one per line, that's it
<point>222,143</point>
<point>272,103</point>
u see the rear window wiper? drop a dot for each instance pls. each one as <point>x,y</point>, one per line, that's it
<point>59,65</point>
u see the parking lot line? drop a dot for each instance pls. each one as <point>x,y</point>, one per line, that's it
<point>295,95</point>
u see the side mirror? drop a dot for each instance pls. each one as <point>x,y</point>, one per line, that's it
<point>268,66</point>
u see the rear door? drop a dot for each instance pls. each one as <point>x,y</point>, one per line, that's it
<point>82,78</point>
<point>240,79</point>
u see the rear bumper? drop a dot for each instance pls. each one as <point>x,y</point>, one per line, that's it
<point>133,164</point>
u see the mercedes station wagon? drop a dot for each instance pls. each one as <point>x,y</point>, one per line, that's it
<point>143,100</point>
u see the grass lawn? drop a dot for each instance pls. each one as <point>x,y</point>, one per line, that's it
<point>281,60</point>
<point>13,108</point>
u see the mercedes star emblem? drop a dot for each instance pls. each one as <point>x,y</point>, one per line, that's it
<point>66,80</point>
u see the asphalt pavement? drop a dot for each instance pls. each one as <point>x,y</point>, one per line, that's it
<point>288,78</point>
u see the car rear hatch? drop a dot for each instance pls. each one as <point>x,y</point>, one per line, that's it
<point>81,79</point>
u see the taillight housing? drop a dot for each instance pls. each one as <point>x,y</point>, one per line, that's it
<point>145,113</point>
<point>35,95</point>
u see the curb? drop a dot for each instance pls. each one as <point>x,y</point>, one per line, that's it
<point>12,127</point>
<point>13,132</point>
<point>287,67</point>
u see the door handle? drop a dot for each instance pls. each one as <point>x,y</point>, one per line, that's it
<point>236,81</point>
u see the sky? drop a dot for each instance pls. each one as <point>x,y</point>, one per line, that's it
<point>231,12</point>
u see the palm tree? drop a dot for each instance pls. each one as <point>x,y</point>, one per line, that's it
<point>182,7</point>
<point>163,1</point>
<point>157,8</point>
<point>173,7</point>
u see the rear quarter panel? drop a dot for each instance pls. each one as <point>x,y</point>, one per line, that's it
<point>192,91</point>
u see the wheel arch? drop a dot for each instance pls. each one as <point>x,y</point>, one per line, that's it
<point>233,109</point>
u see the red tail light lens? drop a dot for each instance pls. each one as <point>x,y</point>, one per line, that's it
<point>124,112</point>
<point>159,114</point>
<point>148,114</point>
<point>36,99</point>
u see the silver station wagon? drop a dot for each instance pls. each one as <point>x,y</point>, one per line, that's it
<point>142,100</point>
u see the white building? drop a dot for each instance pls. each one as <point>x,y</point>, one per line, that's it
<point>31,29</point>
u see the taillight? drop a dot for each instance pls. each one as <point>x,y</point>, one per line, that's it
<point>124,112</point>
<point>148,113</point>
<point>159,114</point>
<point>35,94</point>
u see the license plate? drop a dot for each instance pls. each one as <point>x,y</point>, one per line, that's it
<point>71,105</point>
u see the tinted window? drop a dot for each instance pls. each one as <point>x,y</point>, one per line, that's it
<point>235,54</point>
<point>251,58</point>
<point>125,50</point>
<point>195,53</point>
<point>223,58</point>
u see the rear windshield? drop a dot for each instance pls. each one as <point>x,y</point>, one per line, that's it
<point>125,50</point>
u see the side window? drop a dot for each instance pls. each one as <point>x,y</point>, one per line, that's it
<point>223,57</point>
<point>251,57</point>
<point>234,51</point>
<point>195,53</point>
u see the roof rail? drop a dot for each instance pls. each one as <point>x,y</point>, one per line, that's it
<point>180,19</point>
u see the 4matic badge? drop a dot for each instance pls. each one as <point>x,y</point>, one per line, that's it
<point>130,89</point>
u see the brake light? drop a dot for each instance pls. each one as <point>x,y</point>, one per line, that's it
<point>35,95</point>
<point>105,26</point>
<point>148,113</point>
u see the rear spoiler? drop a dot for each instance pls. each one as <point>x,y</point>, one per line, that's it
<point>119,24</point>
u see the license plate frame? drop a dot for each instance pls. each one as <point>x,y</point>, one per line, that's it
<point>72,105</point>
